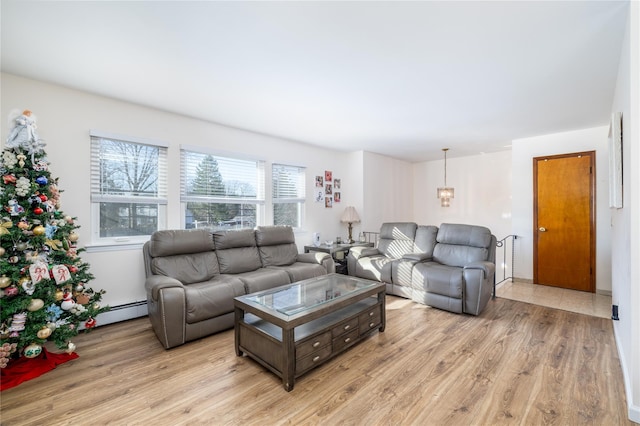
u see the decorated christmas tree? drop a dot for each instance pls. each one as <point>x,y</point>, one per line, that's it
<point>43,281</point>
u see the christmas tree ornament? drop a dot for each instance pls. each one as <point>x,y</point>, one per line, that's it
<point>38,230</point>
<point>41,180</point>
<point>35,305</point>
<point>58,295</point>
<point>61,274</point>
<point>38,210</point>
<point>38,271</point>
<point>2,251</point>
<point>73,237</point>
<point>33,350</point>
<point>28,286</point>
<point>11,291</point>
<point>22,246</point>
<point>44,333</point>
<point>82,299</point>
<point>90,323</point>
<point>67,302</point>
<point>4,281</point>
<point>70,348</point>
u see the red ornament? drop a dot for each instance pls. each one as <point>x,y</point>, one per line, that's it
<point>43,197</point>
<point>38,210</point>
<point>90,323</point>
<point>9,179</point>
<point>73,269</point>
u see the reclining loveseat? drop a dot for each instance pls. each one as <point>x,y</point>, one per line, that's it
<point>192,276</point>
<point>451,267</point>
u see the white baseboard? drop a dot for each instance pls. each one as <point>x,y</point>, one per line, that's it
<point>633,411</point>
<point>123,313</point>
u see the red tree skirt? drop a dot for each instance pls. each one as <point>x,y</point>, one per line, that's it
<point>23,369</point>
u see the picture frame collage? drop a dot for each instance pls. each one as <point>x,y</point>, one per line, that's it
<point>328,189</point>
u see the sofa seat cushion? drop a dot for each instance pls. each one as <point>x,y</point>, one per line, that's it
<point>299,271</point>
<point>375,268</point>
<point>213,298</point>
<point>187,268</point>
<point>263,279</point>
<point>438,279</point>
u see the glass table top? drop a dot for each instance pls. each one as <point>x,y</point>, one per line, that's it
<point>298,297</point>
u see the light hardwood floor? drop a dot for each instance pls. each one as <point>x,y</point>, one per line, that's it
<point>516,364</point>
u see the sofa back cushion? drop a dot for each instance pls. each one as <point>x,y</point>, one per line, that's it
<point>425,240</point>
<point>180,241</point>
<point>458,245</point>
<point>237,251</point>
<point>186,255</point>
<point>397,239</point>
<point>277,245</point>
<point>187,268</point>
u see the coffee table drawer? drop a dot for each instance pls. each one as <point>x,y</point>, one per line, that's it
<point>345,340</point>
<point>370,319</point>
<point>310,361</point>
<point>311,345</point>
<point>345,327</point>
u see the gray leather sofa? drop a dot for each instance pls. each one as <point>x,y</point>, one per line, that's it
<point>192,276</point>
<point>451,267</point>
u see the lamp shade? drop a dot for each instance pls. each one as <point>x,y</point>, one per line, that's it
<point>350,215</point>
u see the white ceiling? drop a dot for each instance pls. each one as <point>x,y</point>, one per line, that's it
<point>404,79</point>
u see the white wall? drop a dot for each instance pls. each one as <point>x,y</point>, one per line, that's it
<point>387,191</point>
<point>482,186</point>
<point>65,117</point>
<point>625,231</point>
<point>523,152</point>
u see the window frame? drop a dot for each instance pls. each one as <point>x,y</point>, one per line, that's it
<point>300,199</point>
<point>259,201</point>
<point>97,196</point>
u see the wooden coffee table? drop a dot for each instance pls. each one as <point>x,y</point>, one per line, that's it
<point>294,328</point>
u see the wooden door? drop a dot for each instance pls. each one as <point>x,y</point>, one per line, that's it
<point>564,221</point>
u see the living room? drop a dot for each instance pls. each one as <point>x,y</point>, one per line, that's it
<point>381,187</point>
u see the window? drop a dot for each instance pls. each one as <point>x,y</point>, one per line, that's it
<point>128,188</point>
<point>220,192</point>
<point>288,195</point>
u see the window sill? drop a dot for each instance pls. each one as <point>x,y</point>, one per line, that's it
<point>96,248</point>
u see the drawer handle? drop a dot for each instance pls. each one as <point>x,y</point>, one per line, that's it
<point>371,313</point>
<point>316,344</point>
<point>316,358</point>
<point>371,324</point>
<point>347,340</point>
<point>346,327</point>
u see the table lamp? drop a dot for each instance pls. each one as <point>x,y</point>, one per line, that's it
<point>350,216</point>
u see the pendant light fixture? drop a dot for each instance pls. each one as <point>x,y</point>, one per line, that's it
<point>445,193</point>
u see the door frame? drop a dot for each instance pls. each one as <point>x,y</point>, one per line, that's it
<point>592,213</point>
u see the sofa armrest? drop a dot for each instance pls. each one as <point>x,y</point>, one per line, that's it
<point>488,267</point>
<point>155,283</point>
<point>417,257</point>
<point>359,251</point>
<point>313,257</point>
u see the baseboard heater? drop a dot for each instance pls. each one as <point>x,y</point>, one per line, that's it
<point>123,312</point>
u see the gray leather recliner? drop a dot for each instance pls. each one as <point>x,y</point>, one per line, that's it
<point>451,267</point>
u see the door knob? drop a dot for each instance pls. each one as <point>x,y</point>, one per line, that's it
<point>542,229</point>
